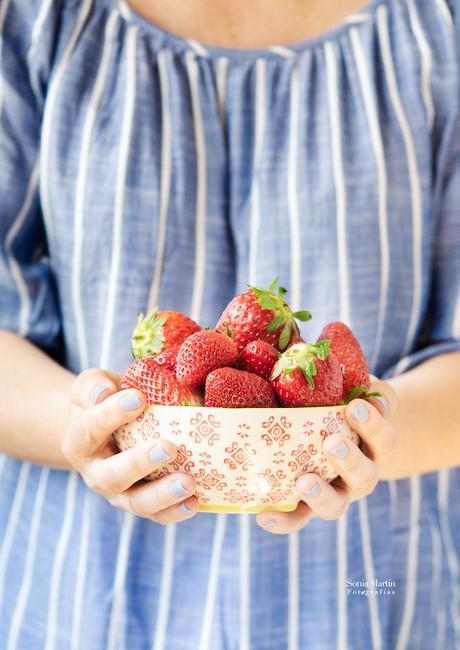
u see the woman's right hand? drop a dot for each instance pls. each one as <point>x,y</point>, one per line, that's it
<point>97,408</point>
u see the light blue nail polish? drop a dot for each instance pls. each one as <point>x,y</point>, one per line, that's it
<point>340,451</point>
<point>177,489</point>
<point>183,508</point>
<point>360,412</point>
<point>96,392</point>
<point>313,491</point>
<point>158,454</point>
<point>384,402</point>
<point>129,402</point>
<point>270,523</point>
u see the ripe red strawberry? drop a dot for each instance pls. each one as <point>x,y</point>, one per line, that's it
<point>168,357</point>
<point>159,384</point>
<point>258,357</point>
<point>350,355</point>
<point>160,330</point>
<point>308,375</point>
<point>231,388</point>
<point>262,314</point>
<point>203,352</point>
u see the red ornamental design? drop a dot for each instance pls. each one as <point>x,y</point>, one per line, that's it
<point>148,428</point>
<point>210,480</point>
<point>278,457</point>
<point>333,421</point>
<point>204,458</point>
<point>302,458</point>
<point>239,456</point>
<point>202,497</point>
<point>174,428</point>
<point>308,428</point>
<point>276,430</point>
<point>160,473</point>
<point>239,496</point>
<point>127,440</point>
<point>241,481</point>
<point>181,459</point>
<point>204,429</point>
<point>244,431</point>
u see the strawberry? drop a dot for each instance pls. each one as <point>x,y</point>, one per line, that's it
<point>308,375</point>
<point>203,352</point>
<point>160,330</point>
<point>350,355</point>
<point>168,357</point>
<point>258,357</point>
<point>262,314</point>
<point>231,388</point>
<point>159,384</point>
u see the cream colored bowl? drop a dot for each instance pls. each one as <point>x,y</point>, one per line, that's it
<point>243,460</point>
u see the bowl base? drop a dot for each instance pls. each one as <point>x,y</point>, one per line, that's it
<point>236,509</point>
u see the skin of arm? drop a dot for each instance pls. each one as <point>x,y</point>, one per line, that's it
<point>35,402</point>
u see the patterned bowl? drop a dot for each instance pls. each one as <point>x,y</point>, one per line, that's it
<point>243,460</point>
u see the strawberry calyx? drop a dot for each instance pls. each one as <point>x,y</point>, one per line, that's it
<point>285,319</point>
<point>360,391</point>
<point>148,338</point>
<point>302,356</point>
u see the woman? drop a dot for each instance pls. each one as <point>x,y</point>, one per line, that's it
<point>139,167</point>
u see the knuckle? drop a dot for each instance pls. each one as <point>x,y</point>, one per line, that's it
<point>93,483</point>
<point>386,447</point>
<point>337,512</point>
<point>136,461</point>
<point>367,486</point>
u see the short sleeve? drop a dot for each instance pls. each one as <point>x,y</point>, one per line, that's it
<point>28,297</point>
<point>441,333</point>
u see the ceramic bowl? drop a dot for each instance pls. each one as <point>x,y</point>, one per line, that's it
<point>243,460</point>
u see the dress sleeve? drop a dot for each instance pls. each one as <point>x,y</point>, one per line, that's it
<point>28,297</point>
<point>441,333</point>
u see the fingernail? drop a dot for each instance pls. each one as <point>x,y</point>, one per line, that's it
<point>340,451</point>
<point>177,489</point>
<point>96,392</point>
<point>383,401</point>
<point>268,523</point>
<point>183,508</point>
<point>158,454</point>
<point>360,412</point>
<point>130,402</point>
<point>313,491</point>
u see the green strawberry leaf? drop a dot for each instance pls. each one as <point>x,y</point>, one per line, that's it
<point>285,336</point>
<point>360,391</point>
<point>282,292</point>
<point>308,369</point>
<point>302,315</point>
<point>321,349</point>
<point>267,302</point>
<point>273,283</point>
<point>275,323</point>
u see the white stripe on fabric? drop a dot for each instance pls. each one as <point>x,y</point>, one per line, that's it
<point>451,555</point>
<point>21,603</point>
<point>197,47</point>
<point>81,570</point>
<point>3,11</point>
<point>412,563</point>
<point>165,177</point>
<point>2,463</point>
<point>221,80</point>
<point>12,525</point>
<point>293,594</point>
<point>118,592</point>
<point>120,186</point>
<point>212,581</point>
<point>339,179</point>
<point>393,492</point>
<point>58,561</point>
<point>48,125</point>
<point>370,573</point>
<point>401,366</point>
<point>456,323</point>
<point>167,566</point>
<point>36,30</point>
<point>285,52</point>
<point>436,582</point>
<point>342,620</point>
<point>124,10</point>
<point>15,269</point>
<point>260,110</point>
<point>245,582</point>
<point>81,189</point>
<point>357,18</point>
<point>445,12</point>
<point>425,61</point>
<point>414,181</point>
<point>379,154</point>
<point>200,220</point>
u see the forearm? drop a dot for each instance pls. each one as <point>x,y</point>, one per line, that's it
<point>427,420</point>
<point>34,393</point>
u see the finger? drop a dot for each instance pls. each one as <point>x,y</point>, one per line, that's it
<point>90,428</point>
<point>282,523</point>
<point>375,431</point>
<point>357,471</point>
<point>323,500</point>
<point>115,474</point>
<point>94,385</point>
<point>178,512</point>
<point>387,403</point>
<point>148,499</point>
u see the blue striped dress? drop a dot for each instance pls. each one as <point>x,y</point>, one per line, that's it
<point>137,168</point>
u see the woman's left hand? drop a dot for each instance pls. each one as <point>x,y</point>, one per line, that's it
<point>357,467</point>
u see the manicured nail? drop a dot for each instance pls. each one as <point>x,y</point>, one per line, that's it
<point>129,402</point>
<point>384,402</point>
<point>158,454</point>
<point>183,508</point>
<point>313,491</point>
<point>177,489</point>
<point>96,392</point>
<point>268,523</point>
<point>340,451</point>
<point>360,412</point>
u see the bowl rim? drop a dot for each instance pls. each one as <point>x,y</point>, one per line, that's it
<point>269,409</point>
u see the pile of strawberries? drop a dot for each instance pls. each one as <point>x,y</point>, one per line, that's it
<point>255,358</point>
